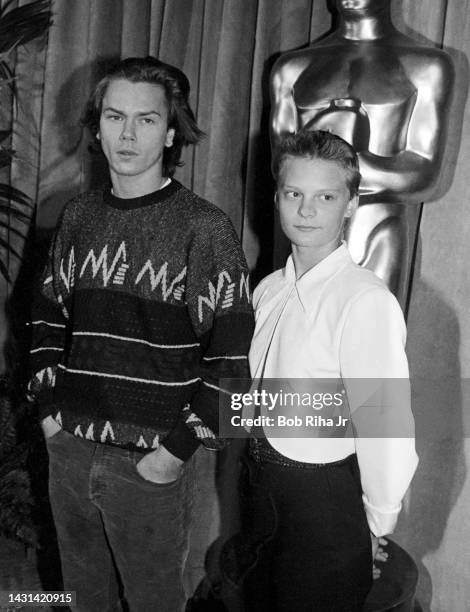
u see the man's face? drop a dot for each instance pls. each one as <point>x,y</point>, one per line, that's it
<point>313,201</point>
<point>133,131</point>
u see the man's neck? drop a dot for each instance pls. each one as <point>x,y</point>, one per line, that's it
<point>127,187</point>
<point>365,26</point>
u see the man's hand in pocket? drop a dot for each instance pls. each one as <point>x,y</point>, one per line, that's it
<point>49,427</point>
<point>159,466</point>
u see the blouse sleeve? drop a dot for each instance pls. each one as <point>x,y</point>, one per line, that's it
<point>374,368</point>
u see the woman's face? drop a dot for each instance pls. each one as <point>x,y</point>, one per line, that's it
<point>313,200</point>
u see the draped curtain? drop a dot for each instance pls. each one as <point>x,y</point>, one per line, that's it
<point>227,48</point>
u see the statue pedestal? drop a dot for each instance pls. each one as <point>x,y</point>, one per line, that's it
<point>394,591</point>
<point>396,587</point>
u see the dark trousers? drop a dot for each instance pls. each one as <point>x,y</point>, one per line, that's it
<point>311,536</point>
<point>118,533</point>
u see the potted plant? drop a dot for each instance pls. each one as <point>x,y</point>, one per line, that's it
<point>18,26</point>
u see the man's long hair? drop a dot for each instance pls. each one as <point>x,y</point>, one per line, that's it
<point>176,85</point>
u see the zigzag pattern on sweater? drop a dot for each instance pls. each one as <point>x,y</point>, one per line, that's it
<point>101,263</point>
<point>176,287</point>
<point>115,270</point>
<point>225,289</point>
<point>105,433</point>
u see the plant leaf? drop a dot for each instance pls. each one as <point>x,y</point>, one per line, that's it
<point>6,6</point>
<point>17,214</point>
<point>21,25</point>
<point>6,245</point>
<point>7,192</point>
<point>6,156</point>
<point>7,76</point>
<point>12,229</point>
<point>7,81</point>
<point>5,71</point>
<point>4,269</point>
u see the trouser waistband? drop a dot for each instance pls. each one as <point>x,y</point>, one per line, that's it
<point>262,452</point>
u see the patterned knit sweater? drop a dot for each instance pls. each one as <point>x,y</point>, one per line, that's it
<point>143,307</point>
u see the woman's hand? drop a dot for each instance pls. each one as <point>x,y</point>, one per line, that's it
<point>378,554</point>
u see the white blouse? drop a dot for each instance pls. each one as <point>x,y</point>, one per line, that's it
<point>340,321</point>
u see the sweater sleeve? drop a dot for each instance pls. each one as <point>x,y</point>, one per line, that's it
<point>49,321</point>
<point>219,304</point>
<point>375,371</point>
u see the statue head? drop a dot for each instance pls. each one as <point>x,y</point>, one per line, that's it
<point>366,7</point>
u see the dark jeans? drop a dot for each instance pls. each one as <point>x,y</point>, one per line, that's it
<point>117,532</point>
<point>311,535</point>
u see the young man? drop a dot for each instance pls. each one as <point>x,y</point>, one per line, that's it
<point>315,502</point>
<point>143,306</point>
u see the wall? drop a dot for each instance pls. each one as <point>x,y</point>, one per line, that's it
<point>437,530</point>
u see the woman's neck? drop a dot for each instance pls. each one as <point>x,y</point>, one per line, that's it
<point>306,258</point>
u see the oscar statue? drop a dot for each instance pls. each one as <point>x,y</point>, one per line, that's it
<point>387,95</point>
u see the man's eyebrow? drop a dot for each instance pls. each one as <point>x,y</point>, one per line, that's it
<point>139,113</point>
<point>113,110</point>
<point>149,112</point>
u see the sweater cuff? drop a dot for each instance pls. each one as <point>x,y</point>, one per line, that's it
<point>45,403</point>
<point>181,442</point>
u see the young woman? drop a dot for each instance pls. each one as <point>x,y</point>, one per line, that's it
<point>320,504</point>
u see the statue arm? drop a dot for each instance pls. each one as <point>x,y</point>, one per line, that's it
<point>414,172</point>
<point>283,109</point>
<point>392,179</point>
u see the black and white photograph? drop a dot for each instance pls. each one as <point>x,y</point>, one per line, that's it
<point>234,338</point>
